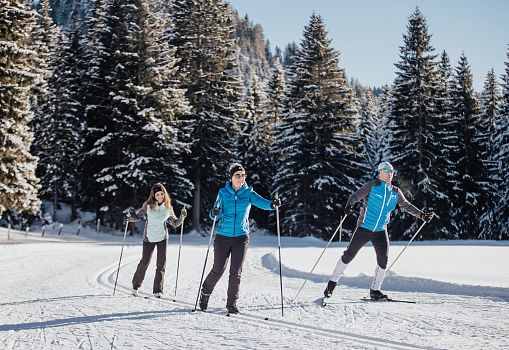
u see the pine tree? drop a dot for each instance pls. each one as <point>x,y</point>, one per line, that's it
<point>469,205</point>
<point>446,180</point>
<point>96,58</point>
<point>138,141</point>
<point>203,35</point>
<point>321,161</point>
<point>19,73</point>
<point>370,129</point>
<point>276,92</point>
<point>411,123</point>
<point>502,158</point>
<point>258,138</point>
<point>490,99</point>
<point>59,131</point>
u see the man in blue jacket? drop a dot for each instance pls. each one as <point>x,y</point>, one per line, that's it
<point>380,198</point>
<point>231,210</point>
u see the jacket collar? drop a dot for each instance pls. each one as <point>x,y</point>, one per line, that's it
<point>230,189</point>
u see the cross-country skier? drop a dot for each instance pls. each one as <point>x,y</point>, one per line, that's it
<point>231,210</point>
<point>158,211</point>
<point>380,198</point>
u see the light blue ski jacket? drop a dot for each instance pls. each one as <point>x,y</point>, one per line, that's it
<point>233,217</point>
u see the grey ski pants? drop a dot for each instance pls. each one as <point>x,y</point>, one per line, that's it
<point>139,275</point>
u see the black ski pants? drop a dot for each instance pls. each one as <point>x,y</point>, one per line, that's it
<point>139,275</point>
<point>224,247</point>
<point>379,239</point>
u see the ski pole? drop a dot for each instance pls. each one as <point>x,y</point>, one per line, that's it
<point>206,257</point>
<point>323,251</point>
<point>121,252</point>
<point>178,260</point>
<point>279,250</point>
<point>415,235</point>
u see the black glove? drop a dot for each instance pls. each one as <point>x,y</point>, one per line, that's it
<point>276,202</point>
<point>183,212</point>
<point>427,216</point>
<point>215,211</point>
<point>345,211</point>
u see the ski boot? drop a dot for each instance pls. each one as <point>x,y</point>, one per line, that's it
<point>134,292</point>
<point>204,301</point>
<point>330,288</point>
<point>232,309</point>
<point>377,295</point>
<point>158,295</point>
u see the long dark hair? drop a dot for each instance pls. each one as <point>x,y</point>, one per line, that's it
<point>151,200</point>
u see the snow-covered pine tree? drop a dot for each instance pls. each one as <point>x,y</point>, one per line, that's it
<point>468,208</point>
<point>164,104</point>
<point>490,99</point>
<point>502,157</point>
<point>96,59</point>
<point>19,72</point>
<point>203,35</point>
<point>446,180</point>
<point>370,130</point>
<point>140,141</point>
<point>289,54</point>
<point>276,91</point>
<point>59,131</point>
<point>258,138</point>
<point>321,160</point>
<point>411,123</point>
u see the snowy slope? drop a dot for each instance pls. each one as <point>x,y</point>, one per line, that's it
<point>57,294</point>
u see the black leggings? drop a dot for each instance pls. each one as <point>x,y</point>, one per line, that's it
<point>379,239</point>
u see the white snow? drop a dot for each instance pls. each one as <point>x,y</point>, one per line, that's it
<point>57,294</point>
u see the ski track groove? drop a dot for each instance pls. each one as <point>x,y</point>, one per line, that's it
<point>107,280</point>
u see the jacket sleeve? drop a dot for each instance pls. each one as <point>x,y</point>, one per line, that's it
<point>360,194</point>
<point>407,206</point>
<point>141,213</point>
<point>260,202</point>
<point>216,203</point>
<point>172,220</point>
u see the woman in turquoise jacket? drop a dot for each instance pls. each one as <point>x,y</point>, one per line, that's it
<point>231,210</point>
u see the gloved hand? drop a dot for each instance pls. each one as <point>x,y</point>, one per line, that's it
<point>215,211</point>
<point>183,212</point>
<point>427,216</point>
<point>347,210</point>
<point>128,216</point>
<point>276,202</point>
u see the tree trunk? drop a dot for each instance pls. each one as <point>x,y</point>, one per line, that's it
<point>196,200</point>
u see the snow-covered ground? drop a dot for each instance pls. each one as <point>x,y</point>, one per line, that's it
<point>56,293</point>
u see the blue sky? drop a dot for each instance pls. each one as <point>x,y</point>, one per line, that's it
<point>368,33</point>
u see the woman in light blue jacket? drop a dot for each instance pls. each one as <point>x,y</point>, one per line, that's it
<point>231,210</point>
<point>158,211</point>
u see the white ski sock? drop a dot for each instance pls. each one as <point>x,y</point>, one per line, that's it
<point>378,279</point>
<point>338,271</point>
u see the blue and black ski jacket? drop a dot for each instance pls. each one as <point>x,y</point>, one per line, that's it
<point>380,200</point>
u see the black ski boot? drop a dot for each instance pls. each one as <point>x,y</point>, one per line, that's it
<point>376,295</point>
<point>204,301</point>
<point>330,288</point>
<point>232,309</point>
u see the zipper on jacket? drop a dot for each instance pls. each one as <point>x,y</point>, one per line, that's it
<point>382,209</point>
<point>235,214</point>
